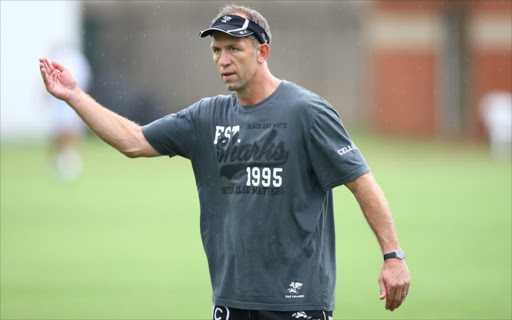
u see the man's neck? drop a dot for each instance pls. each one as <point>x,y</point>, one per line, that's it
<point>259,91</point>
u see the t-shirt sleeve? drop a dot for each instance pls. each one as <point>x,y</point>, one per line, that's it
<point>173,134</point>
<point>336,160</point>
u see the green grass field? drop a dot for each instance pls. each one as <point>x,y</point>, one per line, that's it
<point>123,242</point>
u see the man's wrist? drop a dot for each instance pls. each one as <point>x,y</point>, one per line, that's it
<point>398,254</point>
<point>75,96</point>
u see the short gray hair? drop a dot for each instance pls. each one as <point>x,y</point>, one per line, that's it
<point>251,14</point>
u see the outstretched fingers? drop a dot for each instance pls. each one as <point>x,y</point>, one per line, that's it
<point>46,71</point>
<point>45,64</point>
<point>58,66</point>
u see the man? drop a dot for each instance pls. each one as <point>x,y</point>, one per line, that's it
<point>265,159</point>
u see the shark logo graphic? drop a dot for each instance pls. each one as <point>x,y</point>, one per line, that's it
<point>225,19</point>
<point>300,315</point>
<point>295,287</point>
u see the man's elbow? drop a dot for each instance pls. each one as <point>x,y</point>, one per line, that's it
<point>132,154</point>
<point>138,147</point>
<point>141,151</point>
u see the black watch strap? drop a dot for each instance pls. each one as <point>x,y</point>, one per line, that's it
<point>395,254</point>
<point>389,255</point>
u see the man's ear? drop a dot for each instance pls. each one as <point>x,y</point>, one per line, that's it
<point>263,53</point>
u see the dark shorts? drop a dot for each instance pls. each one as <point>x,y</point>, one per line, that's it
<point>224,313</point>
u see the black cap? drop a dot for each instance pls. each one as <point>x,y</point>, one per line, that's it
<point>238,27</point>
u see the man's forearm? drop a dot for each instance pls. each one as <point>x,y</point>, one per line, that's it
<point>394,278</point>
<point>119,132</point>
<point>376,211</point>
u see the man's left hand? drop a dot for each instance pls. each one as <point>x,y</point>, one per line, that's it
<point>394,281</point>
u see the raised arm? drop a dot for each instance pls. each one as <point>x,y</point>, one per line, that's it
<point>394,279</point>
<point>119,132</point>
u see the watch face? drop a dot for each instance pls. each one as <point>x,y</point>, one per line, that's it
<point>400,254</point>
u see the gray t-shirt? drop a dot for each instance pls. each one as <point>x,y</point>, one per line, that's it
<point>264,174</point>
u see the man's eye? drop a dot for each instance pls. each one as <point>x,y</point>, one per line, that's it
<point>234,49</point>
<point>216,50</point>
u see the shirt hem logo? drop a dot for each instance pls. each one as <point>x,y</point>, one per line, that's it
<point>294,290</point>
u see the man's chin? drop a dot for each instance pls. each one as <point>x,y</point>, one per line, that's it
<point>232,87</point>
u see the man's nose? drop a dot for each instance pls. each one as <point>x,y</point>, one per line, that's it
<point>224,58</point>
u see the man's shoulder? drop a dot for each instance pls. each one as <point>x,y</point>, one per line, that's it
<point>208,106</point>
<point>220,100</point>
<point>304,98</point>
<point>296,88</point>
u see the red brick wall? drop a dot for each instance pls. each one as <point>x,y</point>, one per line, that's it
<point>403,69</point>
<point>403,96</point>
<point>490,63</point>
<point>404,82</point>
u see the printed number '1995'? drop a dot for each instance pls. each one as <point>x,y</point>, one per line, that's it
<point>264,176</point>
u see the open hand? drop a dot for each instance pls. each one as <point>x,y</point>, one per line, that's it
<point>58,80</point>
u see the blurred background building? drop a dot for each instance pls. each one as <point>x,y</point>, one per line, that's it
<point>432,62</point>
<point>417,68</point>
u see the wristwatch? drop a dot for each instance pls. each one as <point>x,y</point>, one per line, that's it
<point>395,254</point>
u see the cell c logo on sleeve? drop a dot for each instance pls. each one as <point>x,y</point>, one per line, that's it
<point>220,313</point>
<point>347,149</point>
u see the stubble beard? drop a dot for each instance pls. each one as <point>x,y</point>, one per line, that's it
<point>234,86</point>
